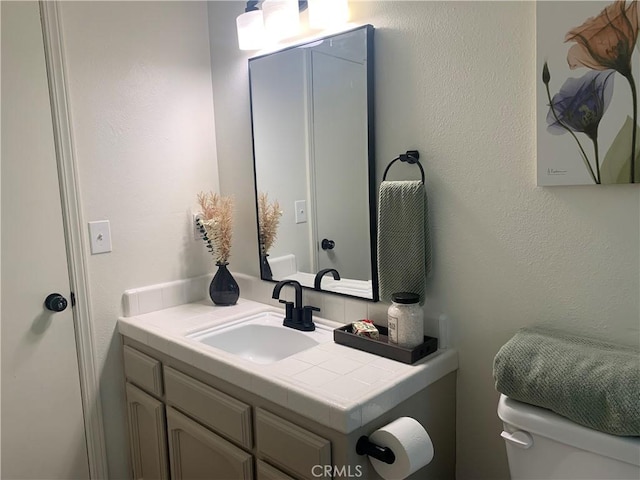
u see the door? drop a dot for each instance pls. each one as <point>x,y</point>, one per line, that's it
<point>340,157</point>
<point>42,423</point>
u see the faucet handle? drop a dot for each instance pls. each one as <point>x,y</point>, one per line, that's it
<point>307,317</point>
<point>288,308</point>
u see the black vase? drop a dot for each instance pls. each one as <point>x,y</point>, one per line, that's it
<point>224,289</point>
<point>265,268</point>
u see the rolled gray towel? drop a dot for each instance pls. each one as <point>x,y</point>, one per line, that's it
<point>404,246</point>
<point>591,382</point>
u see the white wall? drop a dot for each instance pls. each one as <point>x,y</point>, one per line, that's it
<point>457,81</point>
<point>140,93</point>
<point>229,74</point>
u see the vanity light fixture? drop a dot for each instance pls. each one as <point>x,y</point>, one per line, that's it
<point>328,14</point>
<point>281,19</point>
<point>250,25</point>
<point>277,20</point>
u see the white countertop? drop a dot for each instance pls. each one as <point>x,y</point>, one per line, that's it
<point>331,383</point>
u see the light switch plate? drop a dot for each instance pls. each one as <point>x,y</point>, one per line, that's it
<point>100,237</point>
<point>300,207</point>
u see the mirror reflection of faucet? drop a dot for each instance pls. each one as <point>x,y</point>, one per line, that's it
<point>322,273</point>
<point>296,316</point>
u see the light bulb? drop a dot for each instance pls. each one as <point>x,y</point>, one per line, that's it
<point>251,32</point>
<point>281,19</point>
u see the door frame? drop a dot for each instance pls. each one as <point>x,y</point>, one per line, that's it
<point>74,238</point>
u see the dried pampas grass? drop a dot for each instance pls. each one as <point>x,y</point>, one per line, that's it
<point>268,220</point>
<point>216,224</point>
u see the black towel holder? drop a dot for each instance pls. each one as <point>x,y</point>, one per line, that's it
<point>412,157</point>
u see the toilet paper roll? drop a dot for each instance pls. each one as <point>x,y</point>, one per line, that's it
<point>410,443</point>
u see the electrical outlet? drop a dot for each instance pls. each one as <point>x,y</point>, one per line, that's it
<point>196,231</point>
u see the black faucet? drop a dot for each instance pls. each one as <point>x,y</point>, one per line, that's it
<point>296,316</point>
<point>322,273</point>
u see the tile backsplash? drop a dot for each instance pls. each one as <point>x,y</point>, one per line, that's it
<point>148,299</point>
<point>338,308</point>
<point>138,301</point>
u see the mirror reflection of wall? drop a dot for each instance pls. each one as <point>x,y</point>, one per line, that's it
<point>312,129</point>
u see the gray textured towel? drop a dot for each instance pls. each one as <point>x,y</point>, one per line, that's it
<point>404,248</point>
<point>591,382</point>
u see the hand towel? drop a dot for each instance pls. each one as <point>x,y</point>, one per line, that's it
<point>404,247</point>
<point>591,382</point>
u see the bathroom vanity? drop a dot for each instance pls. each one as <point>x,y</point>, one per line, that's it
<point>197,411</point>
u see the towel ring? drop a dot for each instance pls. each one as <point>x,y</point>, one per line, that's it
<point>412,157</point>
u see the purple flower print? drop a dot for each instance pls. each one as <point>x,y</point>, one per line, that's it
<point>581,103</point>
<point>579,107</point>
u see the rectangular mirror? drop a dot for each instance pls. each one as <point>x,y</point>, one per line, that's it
<point>312,120</point>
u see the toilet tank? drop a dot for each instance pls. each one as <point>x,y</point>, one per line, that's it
<point>543,445</point>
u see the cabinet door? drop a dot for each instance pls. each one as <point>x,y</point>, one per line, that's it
<point>147,434</point>
<point>264,471</point>
<point>290,447</point>
<point>198,453</point>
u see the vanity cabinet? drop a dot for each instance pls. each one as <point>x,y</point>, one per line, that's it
<point>182,428</point>
<point>185,423</point>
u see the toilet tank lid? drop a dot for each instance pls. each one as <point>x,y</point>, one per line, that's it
<point>545,423</point>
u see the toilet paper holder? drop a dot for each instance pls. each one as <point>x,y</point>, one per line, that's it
<point>364,446</point>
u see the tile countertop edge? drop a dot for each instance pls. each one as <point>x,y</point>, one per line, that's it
<point>345,415</point>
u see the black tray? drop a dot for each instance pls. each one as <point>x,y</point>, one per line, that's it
<point>344,336</point>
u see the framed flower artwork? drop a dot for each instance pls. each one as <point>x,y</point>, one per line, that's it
<point>588,66</point>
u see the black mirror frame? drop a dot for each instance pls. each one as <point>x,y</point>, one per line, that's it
<point>369,30</point>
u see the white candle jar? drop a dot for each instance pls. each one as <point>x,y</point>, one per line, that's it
<point>405,320</point>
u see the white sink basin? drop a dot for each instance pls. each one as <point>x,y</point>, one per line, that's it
<point>262,338</point>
